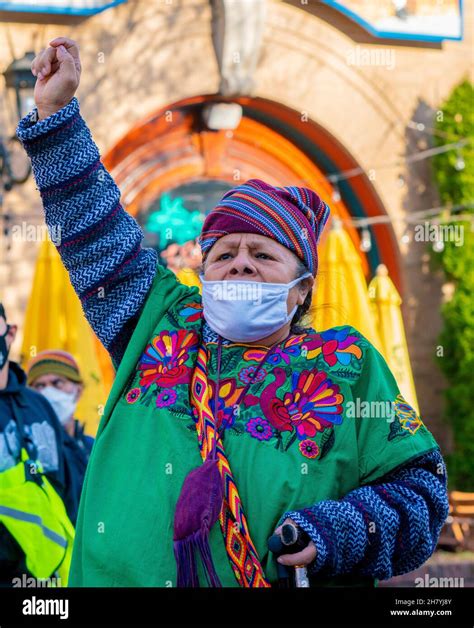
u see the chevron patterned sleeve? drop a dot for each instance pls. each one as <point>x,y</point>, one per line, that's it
<point>382,529</point>
<point>98,241</point>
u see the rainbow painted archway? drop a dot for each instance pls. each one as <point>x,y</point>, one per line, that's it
<point>173,147</point>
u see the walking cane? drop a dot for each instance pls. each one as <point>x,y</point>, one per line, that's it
<point>291,541</point>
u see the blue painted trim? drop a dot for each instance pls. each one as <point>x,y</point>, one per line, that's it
<point>394,35</point>
<point>62,10</point>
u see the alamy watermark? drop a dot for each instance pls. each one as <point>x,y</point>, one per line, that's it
<point>40,606</point>
<point>433,581</point>
<point>382,57</point>
<point>429,232</point>
<point>237,291</point>
<point>30,582</point>
<point>26,232</point>
<point>361,409</point>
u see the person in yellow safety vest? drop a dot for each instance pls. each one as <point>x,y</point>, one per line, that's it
<point>55,374</point>
<point>36,531</point>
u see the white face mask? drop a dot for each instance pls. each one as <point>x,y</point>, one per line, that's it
<point>63,403</point>
<point>246,310</point>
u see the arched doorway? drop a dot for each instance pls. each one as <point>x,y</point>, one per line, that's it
<point>172,152</point>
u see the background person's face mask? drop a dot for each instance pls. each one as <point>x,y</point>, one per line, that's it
<point>4,350</point>
<point>63,403</point>
<point>246,310</point>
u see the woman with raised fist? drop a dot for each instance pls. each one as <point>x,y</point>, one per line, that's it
<point>227,416</point>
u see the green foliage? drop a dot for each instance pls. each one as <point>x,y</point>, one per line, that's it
<point>456,122</point>
<point>456,186</point>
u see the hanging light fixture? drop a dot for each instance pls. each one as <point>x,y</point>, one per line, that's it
<point>15,167</point>
<point>438,246</point>
<point>365,241</point>
<point>459,164</point>
<point>405,239</point>
<point>18,77</point>
<point>219,116</point>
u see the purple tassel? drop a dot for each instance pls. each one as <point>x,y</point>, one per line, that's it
<point>197,510</point>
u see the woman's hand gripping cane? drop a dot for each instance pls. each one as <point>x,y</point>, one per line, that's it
<point>304,557</point>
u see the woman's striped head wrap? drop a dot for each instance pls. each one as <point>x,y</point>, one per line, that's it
<point>293,216</point>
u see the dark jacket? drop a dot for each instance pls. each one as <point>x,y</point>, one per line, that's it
<point>77,451</point>
<point>84,440</point>
<point>63,460</point>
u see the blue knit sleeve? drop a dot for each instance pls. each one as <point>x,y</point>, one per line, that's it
<point>99,242</point>
<point>382,529</point>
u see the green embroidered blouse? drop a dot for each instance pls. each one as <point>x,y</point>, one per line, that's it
<point>322,417</point>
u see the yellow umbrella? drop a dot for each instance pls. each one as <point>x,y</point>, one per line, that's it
<point>188,277</point>
<point>385,304</point>
<point>340,294</point>
<point>55,320</point>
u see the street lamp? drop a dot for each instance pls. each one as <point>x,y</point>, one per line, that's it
<point>18,76</point>
<point>15,166</point>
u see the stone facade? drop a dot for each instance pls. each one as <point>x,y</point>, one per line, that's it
<point>143,54</point>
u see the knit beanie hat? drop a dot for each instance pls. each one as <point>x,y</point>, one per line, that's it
<point>54,362</point>
<point>293,216</point>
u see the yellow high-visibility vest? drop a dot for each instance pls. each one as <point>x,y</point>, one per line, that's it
<point>35,516</point>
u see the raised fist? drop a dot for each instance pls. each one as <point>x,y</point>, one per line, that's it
<point>58,71</point>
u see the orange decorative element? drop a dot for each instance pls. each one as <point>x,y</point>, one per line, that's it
<point>171,148</point>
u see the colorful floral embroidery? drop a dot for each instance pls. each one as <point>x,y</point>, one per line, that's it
<point>229,394</point>
<point>408,418</point>
<point>300,403</point>
<point>163,361</point>
<point>309,449</point>
<point>291,348</point>
<point>166,398</point>
<point>259,428</point>
<point>225,415</point>
<point>133,395</point>
<point>313,404</point>
<point>161,367</point>
<point>335,345</point>
<point>247,374</point>
<point>191,312</point>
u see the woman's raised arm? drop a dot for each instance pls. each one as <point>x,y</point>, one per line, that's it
<point>99,242</point>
